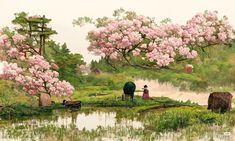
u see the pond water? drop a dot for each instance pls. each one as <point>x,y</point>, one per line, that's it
<point>39,128</point>
<point>157,89</point>
<point>100,125</point>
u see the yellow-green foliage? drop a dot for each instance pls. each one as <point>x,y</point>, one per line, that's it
<point>10,93</point>
<point>178,118</point>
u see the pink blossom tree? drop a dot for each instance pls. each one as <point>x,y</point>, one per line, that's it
<point>129,35</point>
<point>31,71</point>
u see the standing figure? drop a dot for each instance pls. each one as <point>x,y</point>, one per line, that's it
<point>146,92</point>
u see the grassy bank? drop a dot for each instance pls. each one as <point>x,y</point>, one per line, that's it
<point>16,111</point>
<point>21,110</point>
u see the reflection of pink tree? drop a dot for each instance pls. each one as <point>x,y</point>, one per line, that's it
<point>28,69</point>
<point>159,44</point>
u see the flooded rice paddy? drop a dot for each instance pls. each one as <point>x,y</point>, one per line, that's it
<point>102,125</point>
<point>113,124</point>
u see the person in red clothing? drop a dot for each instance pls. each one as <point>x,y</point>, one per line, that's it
<point>146,92</point>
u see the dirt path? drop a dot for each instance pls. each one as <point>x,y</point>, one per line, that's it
<point>168,90</point>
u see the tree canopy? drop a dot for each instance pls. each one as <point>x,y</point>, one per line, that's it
<point>127,36</point>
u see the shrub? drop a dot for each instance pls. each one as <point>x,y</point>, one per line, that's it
<point>172,120</point>
<point>25,110</point>
<point>175,119</point>
<point>208,117</point>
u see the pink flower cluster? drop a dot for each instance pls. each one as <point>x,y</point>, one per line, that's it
<point>17,50</point>
<point>4,41</point>
<point>207,27</point>
<point>18,38</point>
<point>117,36</point>
<point>38,62</point>
<point>10,70</point>
<point>159,43</point>
<point>36,76</point>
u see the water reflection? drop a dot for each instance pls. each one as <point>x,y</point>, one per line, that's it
<point>157,89</point>
<point>105,126</point>
<point>66,122</point>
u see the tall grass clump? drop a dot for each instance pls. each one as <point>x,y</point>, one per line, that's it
<point>176,119</point>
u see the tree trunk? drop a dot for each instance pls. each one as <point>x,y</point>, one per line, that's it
<point>44,100</point>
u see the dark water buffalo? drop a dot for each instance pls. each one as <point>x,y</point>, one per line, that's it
<point>129,89</point>
<point>220,101</point>
<point>72,104</point>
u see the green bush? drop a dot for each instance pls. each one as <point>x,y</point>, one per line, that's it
<point>175,119</point>
<point>208,117</point>
<point>25,110</point>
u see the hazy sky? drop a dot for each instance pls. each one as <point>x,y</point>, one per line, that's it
<point>62,13</point>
